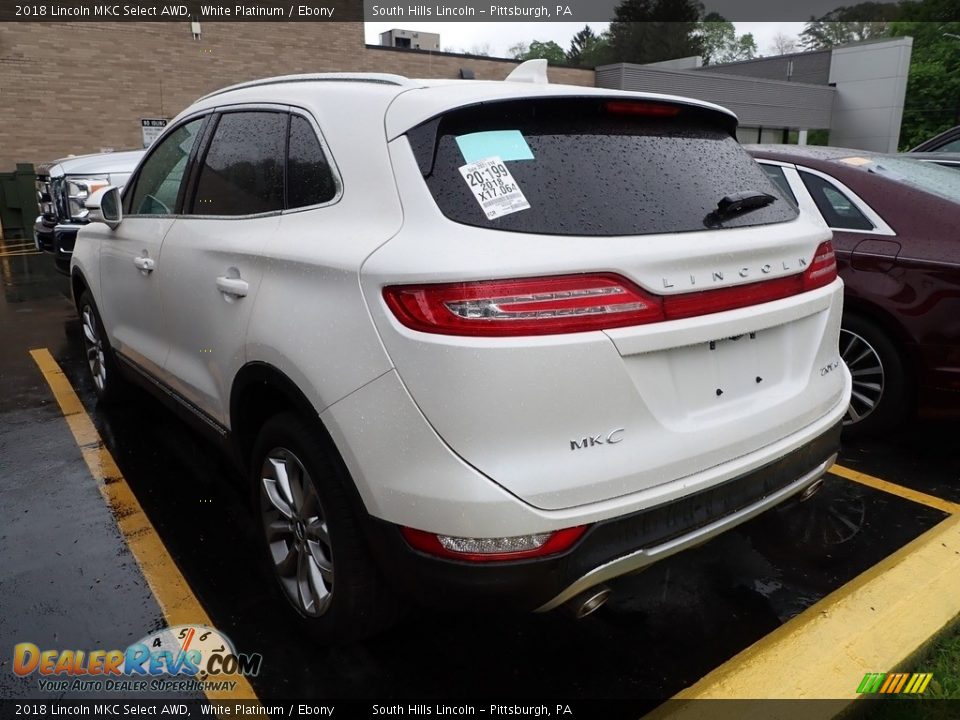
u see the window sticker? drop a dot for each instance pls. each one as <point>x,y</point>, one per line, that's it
<point>494,187</point>
<point>505,144</point>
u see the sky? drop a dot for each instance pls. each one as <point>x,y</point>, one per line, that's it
<point>495,38</point>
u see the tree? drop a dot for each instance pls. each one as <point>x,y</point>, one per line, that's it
<point>864,21</point>
<point>721,44</point>
<point>825,34</point>
<point>549,51</point>
<point>518,51</point>
<point>480,49</point>
<point>745,48</point>
<point>932,102</point>
<point>582,40</point>
<point>588,49</point>
<point>782,44</point>
<point>645,31</point>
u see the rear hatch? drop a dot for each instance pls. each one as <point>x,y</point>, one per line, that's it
<point>633,335</point>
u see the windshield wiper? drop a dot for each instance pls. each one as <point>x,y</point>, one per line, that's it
<point>741,202</point>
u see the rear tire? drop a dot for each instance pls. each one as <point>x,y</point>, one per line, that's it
<point>881,388</point>
<point>108,383</point>
<point>313,541</point>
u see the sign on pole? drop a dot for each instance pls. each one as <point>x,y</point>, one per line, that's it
<point>151,127</point>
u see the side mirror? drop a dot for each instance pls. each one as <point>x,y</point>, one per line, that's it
<point>104,206</point>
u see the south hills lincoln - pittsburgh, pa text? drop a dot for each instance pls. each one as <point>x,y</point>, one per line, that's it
<point>493,11</point>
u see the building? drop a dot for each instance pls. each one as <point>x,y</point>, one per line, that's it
<point>410,40</point>
<point>73,88</point>
<point>856,91</point>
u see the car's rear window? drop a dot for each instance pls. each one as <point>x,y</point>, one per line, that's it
<point>927,176</point>
<point>589,167</point>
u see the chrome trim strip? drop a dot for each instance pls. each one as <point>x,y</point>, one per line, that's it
<point>647,556</point>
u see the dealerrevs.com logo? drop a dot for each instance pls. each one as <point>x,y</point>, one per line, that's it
<point>175,659</point>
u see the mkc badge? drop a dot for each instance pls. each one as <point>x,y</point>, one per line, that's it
<point>611,438</point>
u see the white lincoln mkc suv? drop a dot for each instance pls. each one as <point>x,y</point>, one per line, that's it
<point>475,344</point>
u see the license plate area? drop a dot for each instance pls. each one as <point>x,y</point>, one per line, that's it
<point>735,364</point>
<point>729,377</point>
<point>728,370</point>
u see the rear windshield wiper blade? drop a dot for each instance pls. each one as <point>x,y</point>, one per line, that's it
<point>741,202</point>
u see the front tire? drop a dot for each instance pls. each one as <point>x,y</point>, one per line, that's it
<point>313,540</point>
<point>108,383</point>
<point>881,388</point>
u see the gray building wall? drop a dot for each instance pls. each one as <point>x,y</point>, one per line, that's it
<point>871,81</point>
<point>691,62</point>
<point>808,67</point>
<point>758,102</point>
<point>856,91</point>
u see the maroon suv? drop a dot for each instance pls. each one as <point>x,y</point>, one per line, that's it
<point>896,224</point>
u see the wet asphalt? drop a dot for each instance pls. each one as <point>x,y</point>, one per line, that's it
<point>67,579</point>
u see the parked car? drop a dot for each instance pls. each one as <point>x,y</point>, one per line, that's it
<point>63,187</point>
<point>479,344</point>
<point>947,159</point>
<point>947,141</point>
<point>894,222</point>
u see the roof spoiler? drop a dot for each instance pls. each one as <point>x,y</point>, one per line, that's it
<point>530,71</point>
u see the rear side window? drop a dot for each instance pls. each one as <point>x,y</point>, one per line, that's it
<point>775,173</point>
<point>242,173</point>
<point>837,209</point>
<point>309,180</point>
<point>588,167</point>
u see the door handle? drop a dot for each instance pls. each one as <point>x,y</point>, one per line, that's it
<point>144,264</point>
<point>233,286</point>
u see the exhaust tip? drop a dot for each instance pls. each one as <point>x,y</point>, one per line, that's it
<point>588,602</point>
<point>811,489</point>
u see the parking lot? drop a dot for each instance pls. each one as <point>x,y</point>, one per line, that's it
<point>69,578</point>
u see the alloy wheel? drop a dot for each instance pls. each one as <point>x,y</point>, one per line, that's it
<point>94,346</point>
<point>297,534</point>
<point>866,367</point>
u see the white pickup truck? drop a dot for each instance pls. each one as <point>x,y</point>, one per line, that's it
<point>62,188</point>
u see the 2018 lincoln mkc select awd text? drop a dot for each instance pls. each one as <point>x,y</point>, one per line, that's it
<point>478,344</point>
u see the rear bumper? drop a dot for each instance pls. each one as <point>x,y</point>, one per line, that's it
<point>609,548</point>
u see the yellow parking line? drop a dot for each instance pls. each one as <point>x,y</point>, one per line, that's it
<point>894,489</point>
<point>17,253</point>
<point>877,620</point>
<point>872,624</point>
<point>177,601</point>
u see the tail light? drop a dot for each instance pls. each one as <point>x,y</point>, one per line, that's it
<point>579,303</point>
<point>823,269</point>
<point>516,547</point>
<point>539,306</point>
